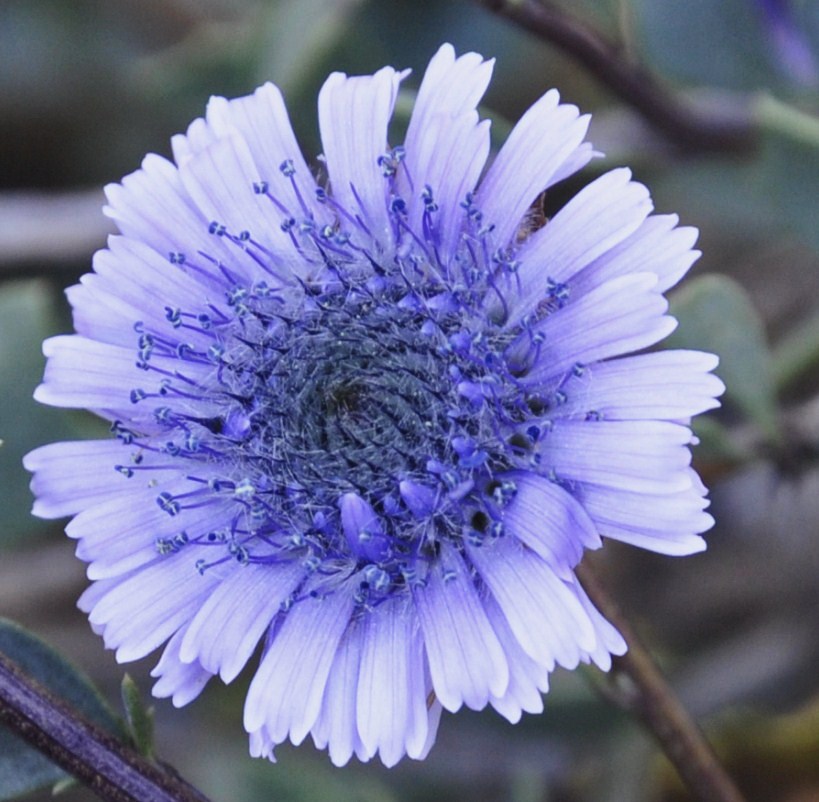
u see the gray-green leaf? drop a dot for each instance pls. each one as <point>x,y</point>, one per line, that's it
<point>22,769</point>
<point>140,719</point>
<point>716,314</point>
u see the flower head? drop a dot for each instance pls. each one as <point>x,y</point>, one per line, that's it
<point>371,424</point>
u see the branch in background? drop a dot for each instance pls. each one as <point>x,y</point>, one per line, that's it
<point>41,230</point>
<point>651,699</point>
<point>687,126</point>
<point>110,769</point>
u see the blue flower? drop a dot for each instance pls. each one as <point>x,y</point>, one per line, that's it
<point>371,424</point>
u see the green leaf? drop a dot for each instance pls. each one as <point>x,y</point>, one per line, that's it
<point>139,718</point>
<point>756,201</point>
<point>22,769</point>
<point>788,170</point>
<point>716,314</point>
<point>797,356</point>
<point>723,43</point>
<point>301,33</point>
<point>716,444</point>
<point>61,786</point>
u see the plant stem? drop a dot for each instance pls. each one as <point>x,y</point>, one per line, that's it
<point>687,126</point>
<point>113,771</point>
<point>656,704</point>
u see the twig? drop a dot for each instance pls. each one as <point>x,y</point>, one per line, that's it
<point>685,125</point>
<point>110,769</point>
<point>653,700</point>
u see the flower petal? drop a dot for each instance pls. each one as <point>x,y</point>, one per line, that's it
<point>598,218</point>
<point>657,246</point>
<point>668,523</point>
<point>336,727</point>
<point>70,476</point>
<point>353,118</point>
<point>181,681</point>
<point>664,385</point>
<point>623,315</point>
<point>286,692</point>
<point>123,533</point>
<point>549,521</point>
<point>639,456</point>
<point>391,704</point>
<point>142,611</point>
<point>545,617</point>
<point>544,139</point>
<point>465,658</point>
<point>446,145</point>
<point>223,634</point>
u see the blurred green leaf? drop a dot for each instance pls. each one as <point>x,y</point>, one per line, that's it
<point>716,443</point>
<point>308,780</point>
<point>716,314</point>
<point>755,200</point>
<point>27,317</point>
<point>21,768</point>
<point>789,174</point>
<point>725,43</point>
<point>797,355</point>
<point>139,718</point>
<point>301,34</point>
<point>66,784</point>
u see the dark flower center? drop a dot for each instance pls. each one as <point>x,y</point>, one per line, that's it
<point>354,421</point>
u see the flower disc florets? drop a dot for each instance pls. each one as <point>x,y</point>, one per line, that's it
<point>358,419</point>
<point>370,426</point>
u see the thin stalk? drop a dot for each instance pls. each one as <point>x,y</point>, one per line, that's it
<point>112,770</point>
<point>687,126</point>
<point>654,702</point>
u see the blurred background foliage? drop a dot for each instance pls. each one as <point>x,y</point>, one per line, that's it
<point>88,86</point>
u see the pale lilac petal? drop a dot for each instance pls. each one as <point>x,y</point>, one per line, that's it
<point>286,692</point>
<point>124,533</point>
<point>545,138</point>
<point>86,373</point>
<point>623,315</point>
<point>640,456</point>
<point>261,745</point>
<point>668,523</point>
<point>70,476</point>
<point>664,385</point>
<point>392,701</point>
<point>446,145</point>
<point>451,84</point>
<point>597,219</point>
<point>549,521</point>
<point>223,634</point>
<point>448,164</point>
<point>152,206</point>
<point>657,246</point>
<point>465,658</point>
<point>353,117</point>
<point>545,617</point>
<point>261,119</point>
<point>336,728</point>
<point>220,180</point>
<point>141,612</point>
<point>128,277</point>
<point>180,681</point>
<point>528,680</point>
<point>609,640</point>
